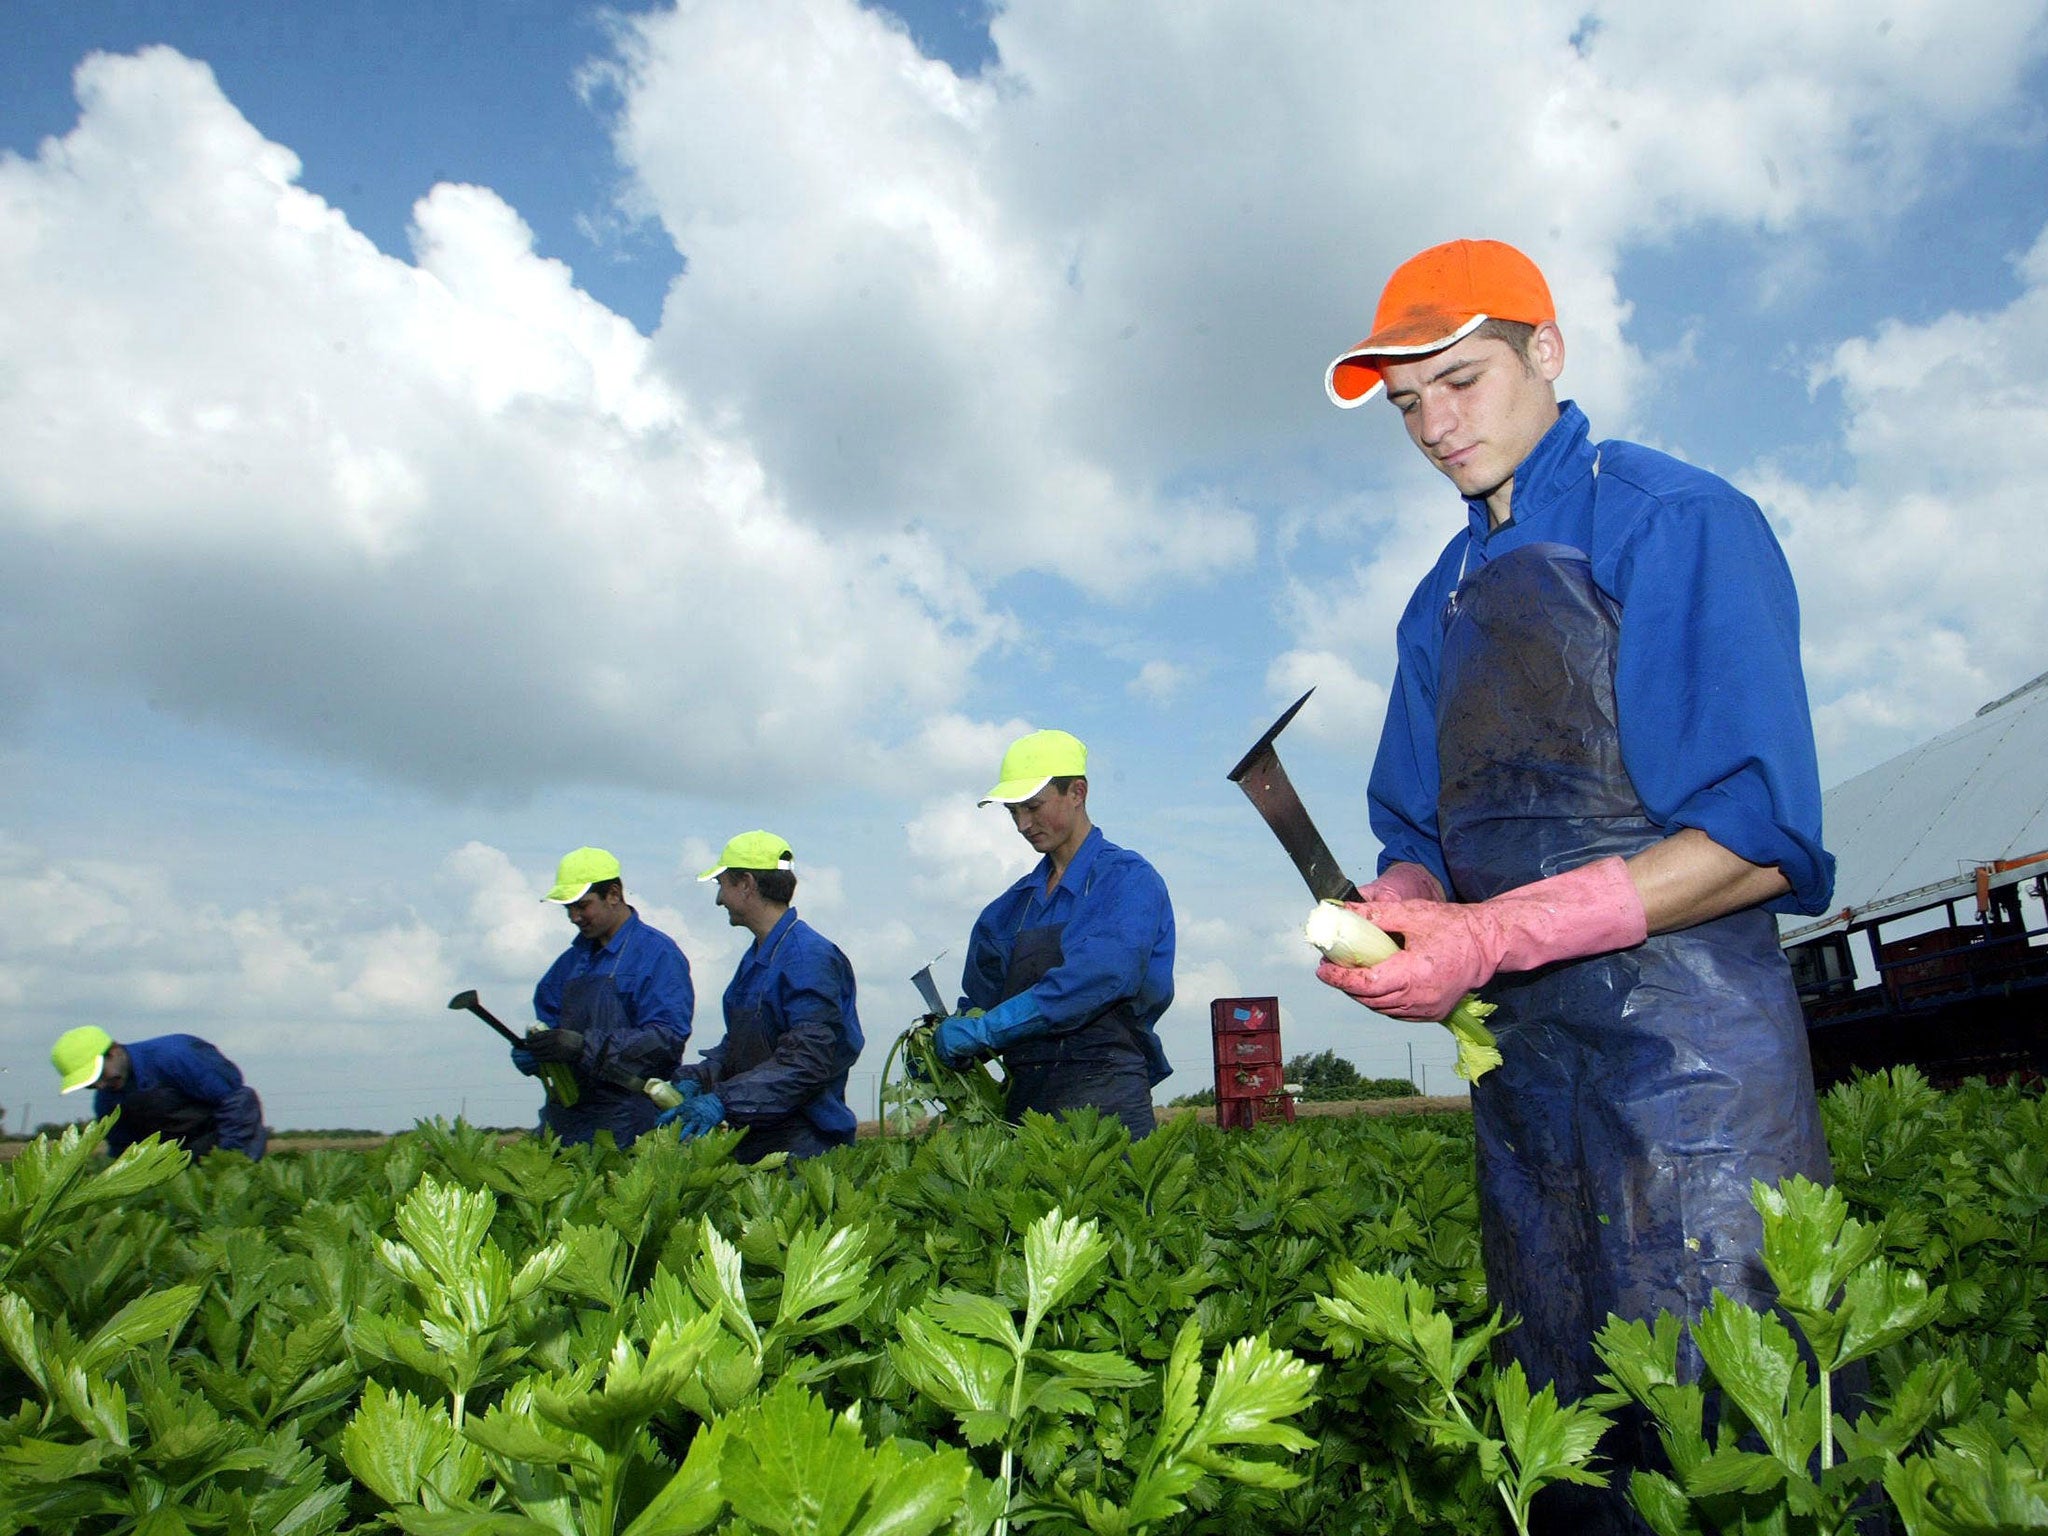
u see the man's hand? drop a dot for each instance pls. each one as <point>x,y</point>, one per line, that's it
<point>554,1045</point>
<point>525,1061</point>
<point>695,1116</point>
<point>1454,948</point>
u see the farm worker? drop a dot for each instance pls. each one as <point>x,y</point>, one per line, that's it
<point>178,1087</point>
<point>791,1032</point>
<point>1069,969</point>
<point>616,1005</point>
<point>1595,785</point>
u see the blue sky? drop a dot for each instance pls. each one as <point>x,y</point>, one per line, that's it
<point>435,437</point>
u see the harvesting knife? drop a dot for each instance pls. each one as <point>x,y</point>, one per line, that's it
<point>1267,786</point>
<point>928,989</point>
<point>560,1084</point>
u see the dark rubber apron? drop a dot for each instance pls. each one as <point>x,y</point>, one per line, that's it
<point>750,1039</point>
<point>172,1114</point>
<point>1103,1061</point>
<point>591,1007</point>
<point>1638,1093</point>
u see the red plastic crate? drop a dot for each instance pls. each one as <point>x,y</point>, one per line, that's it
<point>1259,1082</point>
<point>1250,1015</point>
<point>1243,1114</point>
<point>1236,1050</point>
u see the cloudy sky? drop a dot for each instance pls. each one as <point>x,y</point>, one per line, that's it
<point>433,437</point>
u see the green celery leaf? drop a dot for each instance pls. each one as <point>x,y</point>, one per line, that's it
<point>1754,1360</point>
<point>511,1431</point>
<point>715,1277</point>
<point>824,1281</point>
<point>393,1441</point>
<point>1880,1306</point>
<point>20,1338</point>
<point>592,1264</point>
<point>1733,1470</point>
<point>1666,1510</point>
<point>446,1225</point>
<point>421,1522</point>
<point>48,1461</point>
<point>795,1469</point>
<point>691,1499</point>
<point>962,1374</point>
<point>915,1490</point>
<point>156,1315</point>
<point>978,1317</point>
<point>1547,1443</point>
<point>1060,1252</point>
<point>1094,1368</point>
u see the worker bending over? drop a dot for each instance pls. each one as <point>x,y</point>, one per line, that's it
<point>178,1087</point>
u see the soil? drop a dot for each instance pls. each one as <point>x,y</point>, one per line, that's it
<point>290,1141</point>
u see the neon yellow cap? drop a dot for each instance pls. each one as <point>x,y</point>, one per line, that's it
<point>752,850</point>
<point>79,1054</point>
<point>579,871</point>
<point>1033,762</point>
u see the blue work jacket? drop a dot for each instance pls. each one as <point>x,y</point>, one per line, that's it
<point>1714,727</point>
<point>791,1034</point>
<point>652,981</point>
<point>182,1087</point>
<point>1116,939</point>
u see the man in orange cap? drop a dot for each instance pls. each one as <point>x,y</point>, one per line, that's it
<point>1595,785</point>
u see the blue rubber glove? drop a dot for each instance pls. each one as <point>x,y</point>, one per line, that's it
<point>525,1061</point>
<point>693,1117</point>
<point>966,1036</point>
<point>688,1087</point>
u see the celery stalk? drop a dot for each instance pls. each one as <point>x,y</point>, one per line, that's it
<point>1341,935</point>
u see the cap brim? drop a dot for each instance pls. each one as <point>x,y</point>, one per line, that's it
<point>564,894</point>
<point>714,873</point>
<point>86,1076</point>
<point>1010,791</point>
<point>1352,380</point>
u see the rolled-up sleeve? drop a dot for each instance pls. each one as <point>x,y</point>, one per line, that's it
<point>1715,728</point>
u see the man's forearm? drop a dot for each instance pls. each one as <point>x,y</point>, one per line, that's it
<point>1688,878</point>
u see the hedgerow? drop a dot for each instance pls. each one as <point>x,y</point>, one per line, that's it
<point>983,1329</point>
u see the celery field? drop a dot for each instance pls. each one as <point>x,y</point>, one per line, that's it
<point>984,1330</point>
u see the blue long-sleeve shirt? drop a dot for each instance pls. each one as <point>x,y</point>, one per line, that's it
<point>1714,725</point>
<point>792,997</point>
<point>652,980</point>
<point>1117,941</point>
<point>196,1069</point>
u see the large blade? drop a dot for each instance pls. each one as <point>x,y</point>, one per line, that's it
<point>928,989</point>
<point>1265,783</point>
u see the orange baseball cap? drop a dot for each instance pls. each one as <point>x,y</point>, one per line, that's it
<point>1432,300</point>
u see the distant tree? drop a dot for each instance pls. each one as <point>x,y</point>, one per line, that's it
<point>1324,1078</point>
<point>1327,1078</point>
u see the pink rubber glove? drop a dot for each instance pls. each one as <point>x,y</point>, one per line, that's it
<point>1455,948</point>
<point>1401,882</point>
